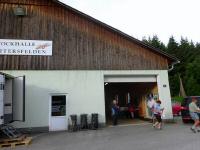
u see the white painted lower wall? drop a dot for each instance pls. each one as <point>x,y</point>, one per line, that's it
<point>85,92</point>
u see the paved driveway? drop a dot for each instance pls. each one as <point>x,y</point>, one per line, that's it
<point>138,137</point>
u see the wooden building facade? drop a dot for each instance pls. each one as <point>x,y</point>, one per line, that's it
<point>79,41</point>
<point>90,61</point>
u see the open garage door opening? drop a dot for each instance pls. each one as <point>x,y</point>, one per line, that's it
<point>132,98</point>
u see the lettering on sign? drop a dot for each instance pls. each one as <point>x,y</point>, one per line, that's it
<point>25,47</point>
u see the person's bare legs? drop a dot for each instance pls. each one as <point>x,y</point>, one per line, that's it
<point>195,125</point>
<point>159,125</point>
<point>132,115</point>
<point>153,120</point>
<point>156,124</point>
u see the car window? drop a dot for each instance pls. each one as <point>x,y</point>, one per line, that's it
<point>188,100</point>
<point>198,102</point>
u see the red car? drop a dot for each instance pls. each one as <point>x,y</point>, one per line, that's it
<point>176,109</point>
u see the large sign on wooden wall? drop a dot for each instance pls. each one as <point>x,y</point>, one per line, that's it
<point>25,47</point>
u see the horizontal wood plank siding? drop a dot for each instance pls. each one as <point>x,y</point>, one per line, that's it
<point>78,43</point>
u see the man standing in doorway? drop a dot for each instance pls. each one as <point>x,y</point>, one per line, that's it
<point>194,113</point>
<point>115,112</point>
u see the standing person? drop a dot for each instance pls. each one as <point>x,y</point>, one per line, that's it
<point>150,104</point>
<point>158,113</point>
<point>194,110</point>
<point>131,110</point>
<point>115,112</point>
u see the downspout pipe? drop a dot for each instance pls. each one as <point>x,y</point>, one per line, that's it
<point>172,65</point>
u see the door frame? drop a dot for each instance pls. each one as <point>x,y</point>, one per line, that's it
<point>2,88</point>
<point>67,106</point>
<point>128,78</point>
<point>23,97</point>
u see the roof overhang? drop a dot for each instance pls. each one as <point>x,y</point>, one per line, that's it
<point>171,59</point>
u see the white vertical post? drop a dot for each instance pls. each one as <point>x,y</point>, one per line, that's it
<point>164,94</point>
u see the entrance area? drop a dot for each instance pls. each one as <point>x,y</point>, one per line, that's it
<point>58,114</point>
<point>132,98</point>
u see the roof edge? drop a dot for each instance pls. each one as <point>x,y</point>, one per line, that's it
<point>141,43</point>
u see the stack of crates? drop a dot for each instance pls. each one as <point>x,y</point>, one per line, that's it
<point>94,121</point>
<point>74,126</point>
<point>84,121</point>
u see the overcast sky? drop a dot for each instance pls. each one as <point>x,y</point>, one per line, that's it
<point>143,18</point>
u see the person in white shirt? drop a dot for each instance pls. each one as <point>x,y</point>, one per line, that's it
<point>194,113</point>
<point>150,103</point>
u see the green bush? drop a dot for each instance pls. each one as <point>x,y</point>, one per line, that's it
<point>177,99</point>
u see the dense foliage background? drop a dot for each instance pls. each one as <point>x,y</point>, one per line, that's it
<point>189,68</point>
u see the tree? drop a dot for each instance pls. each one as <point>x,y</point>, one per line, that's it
<point>189,68</point>
<point>192,77</point>
<point>172,46</point>
<point>155,42</point>
<point>192,86</point>
<point>174,84</point>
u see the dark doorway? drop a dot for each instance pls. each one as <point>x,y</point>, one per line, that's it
<point>130,96</point>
